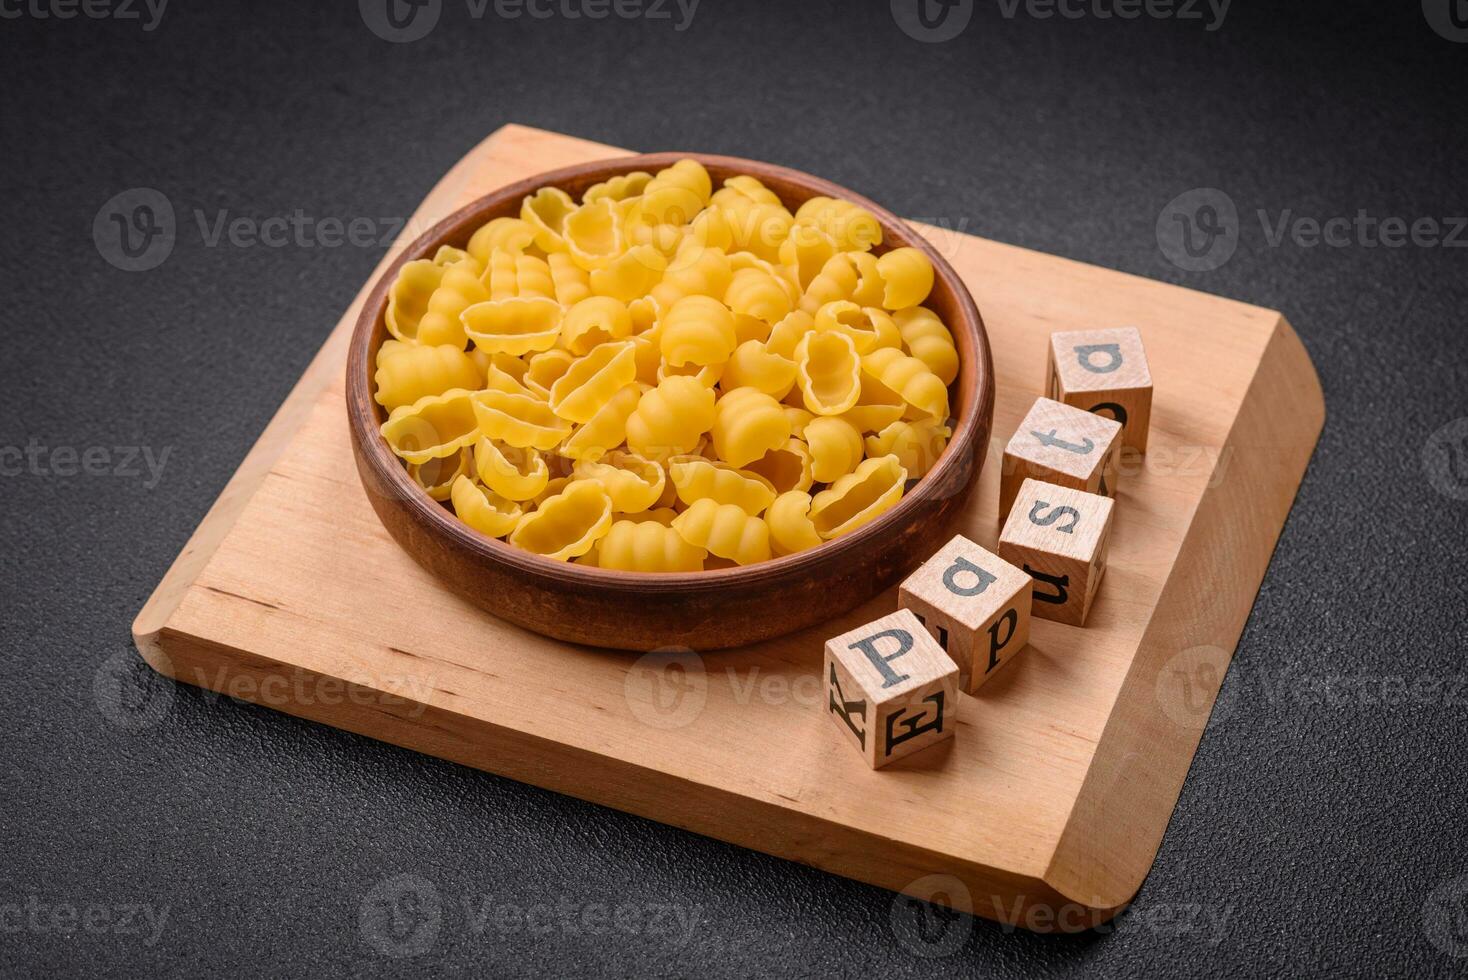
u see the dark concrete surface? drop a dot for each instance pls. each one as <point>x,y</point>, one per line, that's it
<point>150,830</point>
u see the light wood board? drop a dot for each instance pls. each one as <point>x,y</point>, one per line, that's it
<point>1047,807</point>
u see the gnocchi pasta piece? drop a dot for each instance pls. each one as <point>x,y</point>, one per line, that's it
<point>828,372</point>
<point>929,341</point>
<point>747,424</point>
<point>511,472</point>
<point>790,525</point>
<point>433,426</point>
<point>858,497</point>
<point>593,321</point>
<point>697,330</point>
<point>787,467</point>
<point>512,235</point>
<point>483,509</point>
<point>633,483</point>
<point>459,289</point>
<point>695,478</point>
<point>437,476</point>
<point>670,418</point>
<point>568,524</point>
<point>571,283</point>
<point>754,365</point>
<point>725,530</point>
<point>851,226</point>
<point>835,447</point>
<point>647,546</point>
<point>519,420</point>
<point>907,277</point>
<point>516,325</point>
<point>909,378</point>
<point>407,372</point>
<point>591,381</point>
<point>917,445</point>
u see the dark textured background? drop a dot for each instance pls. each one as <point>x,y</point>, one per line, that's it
<point>1324,830</point>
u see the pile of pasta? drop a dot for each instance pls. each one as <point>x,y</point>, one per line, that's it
<point>667,377</point>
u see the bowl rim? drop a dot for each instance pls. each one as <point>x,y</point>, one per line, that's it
<point>976,377</point>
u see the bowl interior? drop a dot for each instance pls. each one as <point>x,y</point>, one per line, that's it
<point>971,394</point>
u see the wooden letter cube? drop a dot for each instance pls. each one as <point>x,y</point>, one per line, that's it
<point>975,604</point>
<point>891,689</point>
<point>1104,371</point>
<point>1063,445</point>
<point>1059,536</point>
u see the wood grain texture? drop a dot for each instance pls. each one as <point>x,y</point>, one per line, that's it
<point>706,610</point>
<point>1051,813</point>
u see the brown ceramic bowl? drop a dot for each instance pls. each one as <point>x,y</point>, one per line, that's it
<point>702,610</point>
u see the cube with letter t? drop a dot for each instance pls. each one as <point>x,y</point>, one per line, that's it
<point>975,604</point>
<point>890,689</point>
<point>1064,445</point>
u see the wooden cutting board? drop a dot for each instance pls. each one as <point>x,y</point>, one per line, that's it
<point>1047,808</point>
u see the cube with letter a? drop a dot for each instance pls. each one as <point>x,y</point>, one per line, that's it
<point>975,604</point>
<point>890,689</point>
<point>1105,372</point>
<point>1058,536</point>
<point>1063,445</point>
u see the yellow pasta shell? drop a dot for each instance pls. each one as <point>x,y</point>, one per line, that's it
<point>519,420</point>
<point>747,424</point>
<point>828,372</point>
<point>437,476</point>
<point>407,372</point>
<point>483,509</point>
<point>568,524</point>
<point>835,448</point>
<point>724,530</point>
<point>595,320</point>
<point>633,483</point>
<point>910,378</point>
<point>517,325</point>
<point>858,497</point>
<point>647,546</point>
<point>511,472</point>
<point>695,478</point>
<point>789,522</point>
<point>591,381</point>
<point>907,276</point>
<point>433,426</point>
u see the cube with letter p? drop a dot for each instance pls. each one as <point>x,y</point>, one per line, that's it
<point>890,689</point>
<point>975,604</point>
